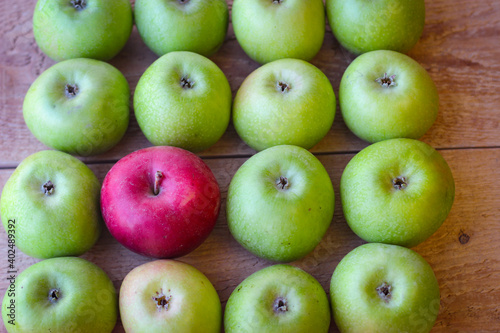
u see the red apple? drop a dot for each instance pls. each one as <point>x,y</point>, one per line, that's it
<point>160,202</point>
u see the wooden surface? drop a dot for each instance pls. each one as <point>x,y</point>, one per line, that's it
<point>460,49</point>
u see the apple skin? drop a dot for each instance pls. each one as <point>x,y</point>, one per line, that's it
<point>278,224</point>
<point>252,306</point>
<point>287,101</point>
<point>374,112</point>
<point>363,26</point>
<point>87,300</point>
<point>193,306</point>
<point>173,25</point>
<point>270,30</point>
<point>98,31</point>
<point>193,117</point>
<point>66,222</point>
<point>412,304</point>
<point>79,106</point>
<point>171,223</point>
<point>377,209</point>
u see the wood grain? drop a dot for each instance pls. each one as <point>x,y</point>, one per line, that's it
<point>460,50</point>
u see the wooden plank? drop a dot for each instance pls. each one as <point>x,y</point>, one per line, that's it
<point>468,271</point>
<point>458,48</point>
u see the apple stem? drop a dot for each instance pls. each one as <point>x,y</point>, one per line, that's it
<point>400,183</point>
<point>54,295</point>
<point>282,183</point>
<point>277,2</point>
<point>186,83</point>
<point>48,188</point>
<point>283,87</point>
<point>71,90</point>
<point>161,300</point>
<point>182,2</point>
<point>384,292</point>
<point>79,4</point>
<point>386,81</point>
<point>158,178</point>
<point>280,305</point>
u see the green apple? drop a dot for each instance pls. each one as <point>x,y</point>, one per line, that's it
<point>183,100</point>
<point>280,203</point>
<point>384,288</point>
<point>60,295</point>
<point>279,298</point>
<point>365,25</point>
<point>182,25</point>
<point>169,296</point>
<point>385,95</point>
<point>66,29</point>
<point>284,102</point>
<point>51,205</point>
<point>397,191</point>
<point>79,106</point>
<point>268,30</point>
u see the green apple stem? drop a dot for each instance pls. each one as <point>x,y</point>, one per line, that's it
<point>400,183</point>
<point>283,87</point>
<point>79,4</point>
<point>384,292</point>
<point>161,300</point>
<point>386,81</point>
<point>186,83</point>
<point>280,305</point>
<point>71,90</point>
<point>54,295</point>
<point>158,178</point>
<point>48,188</point>
<point>282,183</point>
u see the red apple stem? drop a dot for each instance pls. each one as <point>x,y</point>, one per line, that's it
<point>158,178</point>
